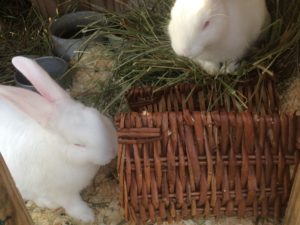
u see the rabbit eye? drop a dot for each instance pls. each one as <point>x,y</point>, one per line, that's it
<point>79,145</point>
<point>206,24</point>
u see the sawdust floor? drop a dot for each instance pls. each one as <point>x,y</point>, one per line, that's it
<point>102,194</point>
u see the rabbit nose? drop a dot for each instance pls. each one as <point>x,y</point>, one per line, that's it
<point>184,52</point>
<point>180,50</point>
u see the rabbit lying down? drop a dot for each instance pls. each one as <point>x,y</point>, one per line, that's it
<point>52,144</point>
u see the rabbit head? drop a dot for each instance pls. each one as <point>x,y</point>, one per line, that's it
<point>195,25</point>
<point>84,128</point>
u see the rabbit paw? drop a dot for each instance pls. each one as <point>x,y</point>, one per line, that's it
<point>101,160</point>
<point>229,68</point>
<point>211,68</point>
<point>80,210</point>
<point>45,203</point>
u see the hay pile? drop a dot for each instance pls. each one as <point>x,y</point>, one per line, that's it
<point>145,56</point>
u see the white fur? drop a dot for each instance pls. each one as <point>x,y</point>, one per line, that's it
<point>234,25</point>
<point>53,145</point>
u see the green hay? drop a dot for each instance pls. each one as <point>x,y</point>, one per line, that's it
<point>146,57</point>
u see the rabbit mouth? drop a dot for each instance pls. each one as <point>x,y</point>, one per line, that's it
<point>80,145</point>
<point>196,53</point>
<point>187,55</point>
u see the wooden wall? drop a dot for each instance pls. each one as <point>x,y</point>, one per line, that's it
<point>12,207</point>
<point>50,8</point>
<point>292,216</point>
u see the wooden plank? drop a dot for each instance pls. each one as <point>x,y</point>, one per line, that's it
<point>98,3</point>
<point>12,207</point>
<point>292,216</point>
<point>117,5</point>
<point>49,8</point>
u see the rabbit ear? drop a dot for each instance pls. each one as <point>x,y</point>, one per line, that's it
<point>28,102</point>
<point>40,79</point>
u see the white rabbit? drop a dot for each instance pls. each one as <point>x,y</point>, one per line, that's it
<point>52,144</point>
<point>212,32</point>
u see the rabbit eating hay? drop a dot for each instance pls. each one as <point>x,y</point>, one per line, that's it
<point>211,32</point>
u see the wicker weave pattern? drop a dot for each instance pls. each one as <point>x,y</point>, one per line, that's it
<point>259,98</point>
<point>176,165</point>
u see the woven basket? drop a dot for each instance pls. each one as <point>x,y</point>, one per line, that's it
<point>177,165</point>
<point>259,97</point>
<point>177,160</point>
